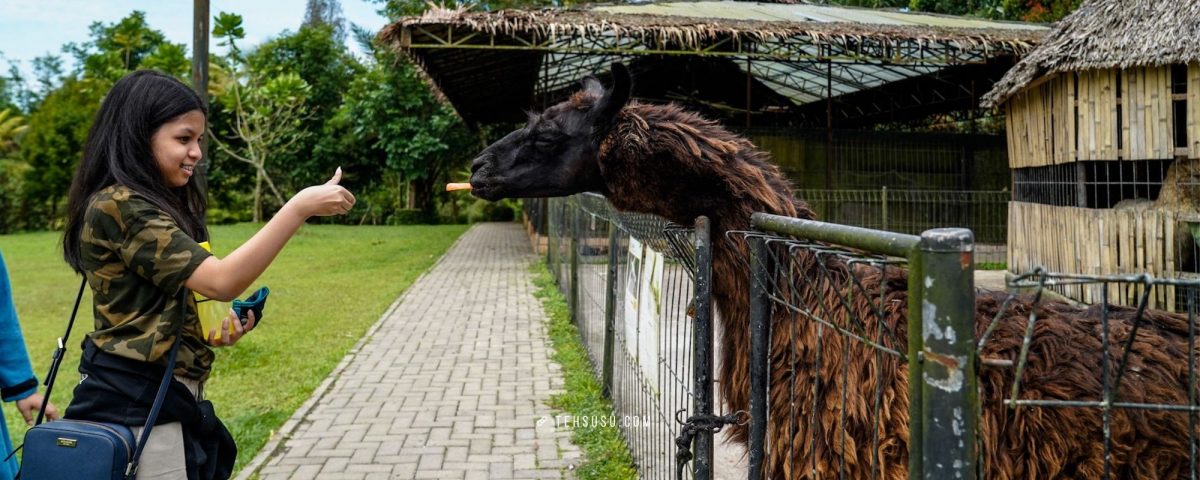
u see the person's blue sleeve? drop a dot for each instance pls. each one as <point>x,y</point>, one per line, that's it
<point>16,375</point>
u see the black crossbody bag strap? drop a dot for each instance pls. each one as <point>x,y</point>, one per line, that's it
<point>59,353</point>
<point>54,363</point>
<point>131,469</point>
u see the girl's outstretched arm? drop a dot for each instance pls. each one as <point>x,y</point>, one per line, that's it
<point>226,278</point>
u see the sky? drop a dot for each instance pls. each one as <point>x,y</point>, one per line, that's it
<point>32,28</point>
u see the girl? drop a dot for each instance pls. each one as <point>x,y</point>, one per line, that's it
<point>134,220</point>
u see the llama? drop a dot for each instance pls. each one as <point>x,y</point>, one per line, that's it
<point>663,160</point>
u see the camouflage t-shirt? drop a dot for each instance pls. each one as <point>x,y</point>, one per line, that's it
<point>137,259</point>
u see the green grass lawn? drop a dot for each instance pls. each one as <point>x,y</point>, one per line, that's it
<point>328,286</point>
<point>606,453</point>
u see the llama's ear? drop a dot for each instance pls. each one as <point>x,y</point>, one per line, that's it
<point>592,86</point>
<point>616,98</point>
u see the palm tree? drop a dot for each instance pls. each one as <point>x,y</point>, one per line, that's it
<point>129,41</point>
<point>11,127</point>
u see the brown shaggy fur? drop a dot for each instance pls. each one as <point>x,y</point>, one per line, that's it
<point>666,161</point>
<point>670,162</point>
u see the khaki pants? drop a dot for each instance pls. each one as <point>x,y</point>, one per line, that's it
<point>163,458</point>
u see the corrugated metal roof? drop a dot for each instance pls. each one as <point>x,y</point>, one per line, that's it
<point>776,12</point>
<point>801,53</point>
<point>802,84</point>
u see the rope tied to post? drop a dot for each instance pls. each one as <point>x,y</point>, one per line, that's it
<point>696,424</point>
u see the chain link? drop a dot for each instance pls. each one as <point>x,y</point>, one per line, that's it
<point>694,425</point>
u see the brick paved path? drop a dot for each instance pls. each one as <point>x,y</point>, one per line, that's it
<point>450,384</point>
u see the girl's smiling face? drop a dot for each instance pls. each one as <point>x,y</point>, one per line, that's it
<point>176,147</point>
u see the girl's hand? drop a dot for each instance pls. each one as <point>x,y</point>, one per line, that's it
<point>237,330</point>
<point>324,200</point>
<point>30,405</point>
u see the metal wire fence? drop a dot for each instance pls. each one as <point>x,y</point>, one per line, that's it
<point>839,313</point>
<point>914,211</point>
<point>629,279</point>
<point>832,329</point>
<point>1148,390</point>
<point>850,159</point>
<point>1096,184</point>
<point>838,323</point>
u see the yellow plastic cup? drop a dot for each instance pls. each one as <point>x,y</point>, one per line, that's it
<point>211,312</point>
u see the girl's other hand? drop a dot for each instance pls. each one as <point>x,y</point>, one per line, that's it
<point>30,405</point>
<point>234,327</point>
<point>324,200</point>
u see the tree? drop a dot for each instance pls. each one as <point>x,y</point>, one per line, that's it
<point>326,13</point>
<point>118,48</point>
<point>416,136</point>
<point>169,58</point>
<point>267,111</point>
<point>54,143</point>
<point>48,71</point>
<point>62,112</point>
<point>1044,10</point>
<point>12,171</point>
<point>327,67</point>
<point>11,126</point>
<point>9,87</point>
<point>394,9</point>
<point>1025,10</point>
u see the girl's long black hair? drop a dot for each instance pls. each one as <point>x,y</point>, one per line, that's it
<point>118,152</point>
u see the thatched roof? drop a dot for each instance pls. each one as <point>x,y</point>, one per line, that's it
<point>799,55</point>
<point>692,25</point>
<point>1104,34</point>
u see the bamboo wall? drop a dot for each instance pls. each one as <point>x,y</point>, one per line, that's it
<point>1106,242</point>
<point>1038,133</point>
<point>1193,110</point>
<point>1146,116</point>
<point>1073,116</point>
<point>1096,115</point>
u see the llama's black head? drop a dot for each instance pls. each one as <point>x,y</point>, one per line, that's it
<point>555,154</point>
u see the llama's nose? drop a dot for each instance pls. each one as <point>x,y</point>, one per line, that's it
<point>478,163</point>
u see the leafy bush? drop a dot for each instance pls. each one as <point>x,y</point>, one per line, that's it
<point>412,216</point>
<point>220,216</point>
<point>505,210</point>
<point>12,195</point>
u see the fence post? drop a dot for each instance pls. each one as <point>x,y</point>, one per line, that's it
<point>883,202</point>
<point>760,322</point>
<point>546,210</point>
<point>610,307</point>
<point>915,362</point>
<point>574,288</point>
<point>949,397</point>
<point>553,237</point>
<point>702,349</point>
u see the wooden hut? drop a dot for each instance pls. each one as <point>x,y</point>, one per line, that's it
<point>1103,133</point>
